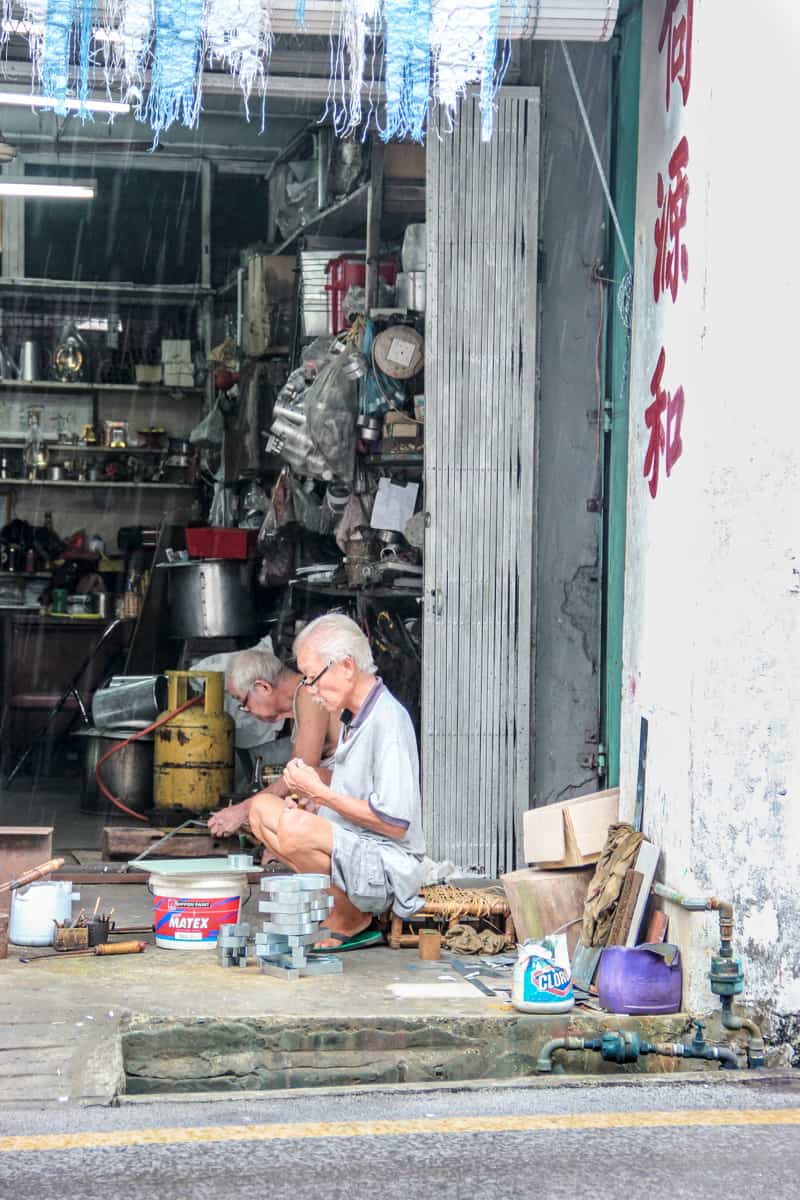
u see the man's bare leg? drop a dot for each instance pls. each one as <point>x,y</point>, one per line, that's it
<point>305,842</point>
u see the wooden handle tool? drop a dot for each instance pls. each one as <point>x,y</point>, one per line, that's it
<point>120,948</point>
<point>34,873</point>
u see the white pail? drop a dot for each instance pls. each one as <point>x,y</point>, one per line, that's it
<point>35,909</point>
<point>189,909</point>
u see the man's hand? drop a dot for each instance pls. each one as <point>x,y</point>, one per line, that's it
<point>303,782</point>
<point>228,820</point>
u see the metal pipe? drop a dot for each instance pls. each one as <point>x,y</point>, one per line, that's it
<point>544,1063</point>
<point>727,976</point>
<point>693,903</point>
<point>625,1047</point>
<point>755,1046</point>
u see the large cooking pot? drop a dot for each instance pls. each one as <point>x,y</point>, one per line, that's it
<point>210,597</point>
<point>128,774</point>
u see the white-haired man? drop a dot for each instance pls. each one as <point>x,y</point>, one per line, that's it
<point>366,832</point>
<point>269,690</point>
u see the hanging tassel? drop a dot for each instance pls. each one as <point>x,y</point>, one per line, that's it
<point>133,20</point>
<point>34,16</point>
<point>176,74</point>
<point>238,34</point>
<point>55,59</point>
<point>464,51</point>
<point>359,22</point>
<point>407,59</point>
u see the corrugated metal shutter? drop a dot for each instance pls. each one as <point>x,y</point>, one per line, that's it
<point>480,450</point>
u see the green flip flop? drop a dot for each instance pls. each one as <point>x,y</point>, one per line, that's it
<point>370,936</point>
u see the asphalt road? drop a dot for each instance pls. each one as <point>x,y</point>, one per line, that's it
<point>643,1142</point>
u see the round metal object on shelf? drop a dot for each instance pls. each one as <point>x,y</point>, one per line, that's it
<point>210,597</point>
<point>399,352</point>
<point>370,429</point>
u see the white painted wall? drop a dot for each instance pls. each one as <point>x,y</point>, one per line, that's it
<point>712,617</point>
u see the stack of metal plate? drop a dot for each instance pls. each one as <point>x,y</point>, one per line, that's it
<point>232,944</point>
<point>316,307</point>
<point>294,907</point>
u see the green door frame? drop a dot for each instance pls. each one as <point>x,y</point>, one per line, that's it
<point>624,137</point>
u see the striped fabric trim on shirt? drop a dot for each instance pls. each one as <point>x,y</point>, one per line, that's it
<point>382,816</point>
<point>366,708</point>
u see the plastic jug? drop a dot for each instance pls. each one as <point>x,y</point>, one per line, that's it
<point>35,909</point>
<point>542,980</point>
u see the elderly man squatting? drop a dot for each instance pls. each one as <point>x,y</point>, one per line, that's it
<point>266,688</point>
<point>367,832</point>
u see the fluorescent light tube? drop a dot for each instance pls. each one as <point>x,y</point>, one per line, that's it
<point>40,189</point>
<point>71,103</point>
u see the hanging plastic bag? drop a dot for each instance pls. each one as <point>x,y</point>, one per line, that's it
<point>310,512</point>
<point>279,514</point>
<point>210,429</point>
<point>331,406</point>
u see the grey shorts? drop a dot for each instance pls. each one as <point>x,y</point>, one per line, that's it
<point>357,867</point>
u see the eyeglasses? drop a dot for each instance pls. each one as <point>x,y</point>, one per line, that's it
<point>309,683</point>
<point>243,703</point>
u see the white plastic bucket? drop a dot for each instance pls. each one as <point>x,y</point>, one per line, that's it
<point>36,908</point>
<point>189,909</point>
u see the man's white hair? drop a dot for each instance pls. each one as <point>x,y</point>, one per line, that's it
<point>334,637</point>
<point>249,665</point>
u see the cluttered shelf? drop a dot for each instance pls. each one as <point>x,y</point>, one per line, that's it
<point>394,460</point>
<point>348,593</point>
<point>134,293</point>
<point>82,448</point>
<point>92,483</point>
<point>340,218</point>
<point>52,385</point>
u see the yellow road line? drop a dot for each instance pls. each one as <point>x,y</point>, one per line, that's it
<point>697,1118</point>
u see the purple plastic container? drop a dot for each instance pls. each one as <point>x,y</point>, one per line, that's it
<point>639,982</point>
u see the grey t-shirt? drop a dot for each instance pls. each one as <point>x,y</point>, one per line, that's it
<point>377,761</point>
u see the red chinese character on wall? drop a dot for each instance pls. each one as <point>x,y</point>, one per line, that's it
<point>663,418</point>
<point>676,35</point>
<point>672,257</point>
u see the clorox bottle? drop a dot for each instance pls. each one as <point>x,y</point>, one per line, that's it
<point>542,979</point>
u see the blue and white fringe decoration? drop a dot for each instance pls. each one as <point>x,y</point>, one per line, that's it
<point>134,21</point>
<point>432,51</point>
<point>238,34</point>
<point>176,81</point>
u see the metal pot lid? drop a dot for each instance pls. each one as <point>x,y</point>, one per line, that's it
<point>118,734</point>
<point>189,866</point>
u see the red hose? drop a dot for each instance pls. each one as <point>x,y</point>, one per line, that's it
<point>140,733</point>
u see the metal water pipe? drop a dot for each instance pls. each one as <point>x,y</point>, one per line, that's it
<point>726,975</point>
<point>625,1046</point>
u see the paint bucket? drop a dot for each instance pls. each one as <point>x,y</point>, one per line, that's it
<point>189,909</point>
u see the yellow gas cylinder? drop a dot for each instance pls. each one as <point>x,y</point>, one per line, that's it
<point>194,754</point>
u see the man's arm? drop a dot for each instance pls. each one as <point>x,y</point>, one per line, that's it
<point>305,781</point>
